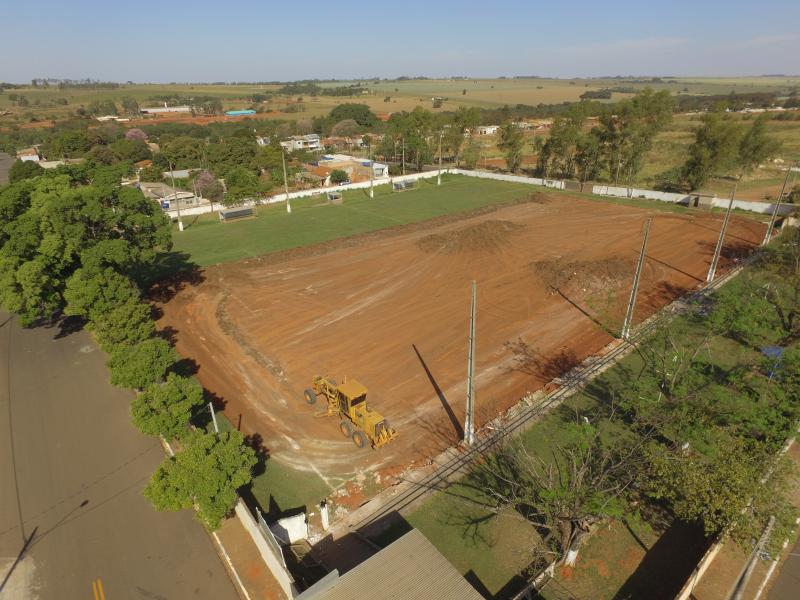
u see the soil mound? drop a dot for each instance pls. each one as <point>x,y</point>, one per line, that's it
<point>487,236</point>
<point>594,275</point>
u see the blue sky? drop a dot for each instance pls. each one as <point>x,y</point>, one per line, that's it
<point>288,40</point>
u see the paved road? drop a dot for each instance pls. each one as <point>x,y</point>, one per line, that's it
<point>80,469</point>
<point>787,584</point>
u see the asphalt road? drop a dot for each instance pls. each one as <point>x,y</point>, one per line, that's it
<point>80,467</point>
<point>787,584</point>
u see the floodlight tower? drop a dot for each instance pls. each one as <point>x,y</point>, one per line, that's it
<point>175,190</point>
<point>439,175</point>
<point>628,323</point>
<point>712,270</point>
<point>285,181</point>
<point>770,227</point>
<point>371,171</point>
<point>469,421</point>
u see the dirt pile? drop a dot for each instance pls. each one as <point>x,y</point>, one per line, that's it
<point>591,276</point>
<point>487,236</point>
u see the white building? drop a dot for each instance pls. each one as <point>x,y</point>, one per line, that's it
<point>160,110</point>
<point>308,142</point>
<point>485,129</point>
<point>28,155</point>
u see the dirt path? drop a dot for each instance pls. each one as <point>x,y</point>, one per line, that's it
<point>392,310</point>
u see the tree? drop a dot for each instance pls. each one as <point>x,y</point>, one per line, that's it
<point>715,149</point>
<point>345,128</point>
<point>472,153</point>
<point>338,176</point>
<point>723,490</point>
<point>242,183</point>
<point>166,408</point>
<point>24,169</point>
<point>756,146</point>
<point>564,492</point>
<point>135,134</point>
<point>360,113</point>
<point>511,143</point>
<point>207,472</point>
<point>184,152</point>
<point>131,149</point>
<point>208,186</point>
<point>142,364</point>
<point>130,106</point>
<point>102,107</point>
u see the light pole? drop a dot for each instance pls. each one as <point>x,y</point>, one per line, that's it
<point>371,170</point>
<point>285,182</point>
<point>439,175</point>
<point>175,190</point>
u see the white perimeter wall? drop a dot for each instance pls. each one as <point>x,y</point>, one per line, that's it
<point>599,190</point>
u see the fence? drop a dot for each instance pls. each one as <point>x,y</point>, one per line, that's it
<point>599,190</point>
<point>276,565</point>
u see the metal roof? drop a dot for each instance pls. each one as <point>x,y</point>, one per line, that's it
<point>409,569</point>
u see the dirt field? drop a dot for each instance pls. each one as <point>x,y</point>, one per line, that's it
<point>391,309</point>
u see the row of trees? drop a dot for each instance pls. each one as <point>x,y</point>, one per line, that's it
<point>74,242</point>
<point>679,427</point>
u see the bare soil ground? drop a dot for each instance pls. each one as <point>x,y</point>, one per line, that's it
<point>391,309</point>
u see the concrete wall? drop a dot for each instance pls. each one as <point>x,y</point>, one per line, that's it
<point>274,564</point>
<point>600,190</point>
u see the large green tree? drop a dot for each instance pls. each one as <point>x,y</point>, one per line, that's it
<point>511,144</point>
<point>24,169</point>
<point>166,408</point>
<point>140,365</point>
<point>206,473</point>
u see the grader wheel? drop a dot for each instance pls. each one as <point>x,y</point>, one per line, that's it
<point>310,396</point>
<point>346,428</point>
<point>359,439</point>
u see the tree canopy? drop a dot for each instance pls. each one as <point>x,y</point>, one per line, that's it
<point>207,472</point>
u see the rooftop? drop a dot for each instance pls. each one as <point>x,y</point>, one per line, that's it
<point>409,569</point>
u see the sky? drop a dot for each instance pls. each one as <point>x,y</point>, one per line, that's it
<point>202,41</point>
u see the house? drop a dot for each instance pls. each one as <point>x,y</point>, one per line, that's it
<point>160,110</point>
<point>485,129</point>
<point>357,169</point>
<point>411,568</point>
<point>178,173</point>
<point>310,142</point>
<point>108,118</point>
<point>28,155</point>
<point>262,140</point>
<point>169,197</point>
<point>239,113</point>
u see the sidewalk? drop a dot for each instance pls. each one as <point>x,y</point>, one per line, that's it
<point>252,578</point>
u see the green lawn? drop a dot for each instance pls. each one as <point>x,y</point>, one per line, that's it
<point>208,241</point>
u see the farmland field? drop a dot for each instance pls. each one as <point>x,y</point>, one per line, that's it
<point>403,95</point>
<point>391,308</point>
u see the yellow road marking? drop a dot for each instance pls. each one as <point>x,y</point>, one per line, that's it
<point>97,588</point>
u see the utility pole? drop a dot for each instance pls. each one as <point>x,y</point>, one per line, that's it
<point>285,181</point>
<point>741,583</point>
<point>768,234</point>
<point>469,421</point>
<point>712,270</point>
<point>439,176</point>
<point>213,416</point>
<point>627,325</point>
<point>371,171</point>
<point>175,190</point>
<point>403,141</point>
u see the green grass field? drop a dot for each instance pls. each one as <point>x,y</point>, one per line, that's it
<point>207,241</point>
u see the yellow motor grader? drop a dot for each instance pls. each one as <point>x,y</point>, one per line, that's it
<point>348,401</point>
